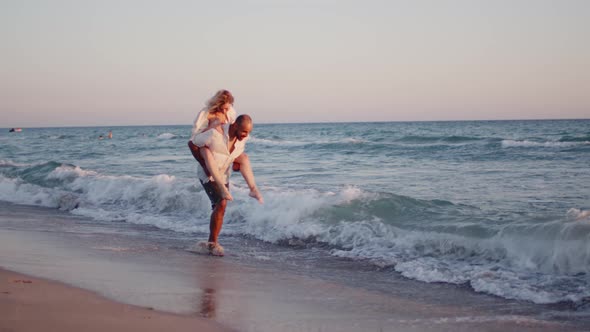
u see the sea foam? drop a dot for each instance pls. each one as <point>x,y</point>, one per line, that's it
<point>507,143</point>
<point>167,136</point>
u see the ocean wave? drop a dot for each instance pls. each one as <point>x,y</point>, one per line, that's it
<point>375,145</point>
<point>322,143</point>
<point>540,262</point>
<point>511,266</point>
<point>352,140</point>
<point>54,184</point>
<point>166,136</point>
<point>58,136</point>
<point>278,142</point>
<point>582,139</point>
<point>438,139</point>
<point>543,261</point>
<point>16,191</point>
<point>9,163</point>
<point>547,144</point>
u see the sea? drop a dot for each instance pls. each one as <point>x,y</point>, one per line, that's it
<point>501,208</point>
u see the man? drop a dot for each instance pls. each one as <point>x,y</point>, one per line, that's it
<point>227,145</point>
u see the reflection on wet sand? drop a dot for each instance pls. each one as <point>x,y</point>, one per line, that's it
<point>208,282</point>
<point>208,303</point>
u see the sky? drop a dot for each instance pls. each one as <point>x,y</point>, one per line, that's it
<point>107,63</point>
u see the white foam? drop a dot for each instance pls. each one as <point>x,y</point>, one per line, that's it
<point>17,191</point>
<point>57,136</point>
<point>352,140</point>
<point>429,269</point>
<point>286,214</point>
<point>11,163</point>
<point>276,220</point>
<point>549,144</point>
<point>510,266</point>
<point>166,136</point>
<point>513,259</point>
<point>65,172</point>
<point>522,320</point>
<point>116,249</point>
<point>264,141</point>
<point>162,200</point>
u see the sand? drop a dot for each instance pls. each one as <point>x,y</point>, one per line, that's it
<point>33,304</point>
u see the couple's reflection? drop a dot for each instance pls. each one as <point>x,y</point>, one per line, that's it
<point>208,303</point>
<point>209,277</point>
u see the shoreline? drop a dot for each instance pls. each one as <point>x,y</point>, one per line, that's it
<point>125,263</point>
<point>31,303</point>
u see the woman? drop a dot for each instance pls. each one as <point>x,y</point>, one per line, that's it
<point>219,110</point>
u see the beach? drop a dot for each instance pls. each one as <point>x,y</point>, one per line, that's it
<point>86,278</point>
<point>33,304</point>
<point>395,166</point>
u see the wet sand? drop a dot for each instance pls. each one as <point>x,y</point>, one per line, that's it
<point>123,265</point>
<point>33,304</point>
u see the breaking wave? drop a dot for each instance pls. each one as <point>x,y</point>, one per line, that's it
<point>427,240</point>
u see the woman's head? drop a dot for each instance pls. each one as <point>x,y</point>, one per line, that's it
<point>221,102</point>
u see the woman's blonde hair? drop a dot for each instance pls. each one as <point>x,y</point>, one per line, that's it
<point>221,98</point>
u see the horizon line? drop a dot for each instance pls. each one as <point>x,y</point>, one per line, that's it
<point>316,122</point>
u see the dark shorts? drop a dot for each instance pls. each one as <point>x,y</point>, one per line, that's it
<point>213,192</point>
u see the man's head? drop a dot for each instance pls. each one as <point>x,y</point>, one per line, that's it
<point>242,127</point>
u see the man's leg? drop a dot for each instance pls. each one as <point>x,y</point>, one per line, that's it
<point>248,174</point>
<point>218,205</point>
<point>217,220</point>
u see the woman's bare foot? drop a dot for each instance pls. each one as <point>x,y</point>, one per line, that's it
<point>254,193</point>
<point>225,193</point>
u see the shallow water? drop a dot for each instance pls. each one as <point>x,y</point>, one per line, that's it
<point>257,286</point>
<point>498,206</point>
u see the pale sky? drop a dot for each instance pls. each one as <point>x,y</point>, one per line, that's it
<point>90,63</point>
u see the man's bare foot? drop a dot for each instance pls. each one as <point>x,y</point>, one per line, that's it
<point>254,193</point>
<point>215,249</point>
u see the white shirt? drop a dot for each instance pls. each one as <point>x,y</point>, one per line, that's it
<point>218,144</point>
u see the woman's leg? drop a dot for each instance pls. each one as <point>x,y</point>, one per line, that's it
<point>214,171</point>
<point>246,170</point>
